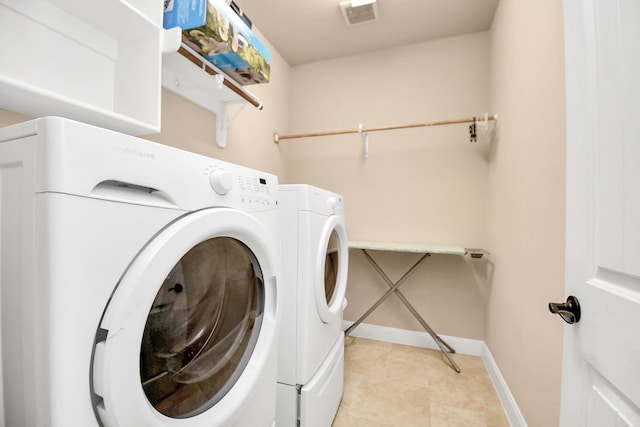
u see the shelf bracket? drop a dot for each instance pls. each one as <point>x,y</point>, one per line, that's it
<point>222,124</point>
<point>191,76</point>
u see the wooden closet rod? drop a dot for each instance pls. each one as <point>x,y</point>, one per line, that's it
<point>277,138</point>
<point>192,56</point>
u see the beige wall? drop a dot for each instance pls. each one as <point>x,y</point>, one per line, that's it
<point>418,185</point>
<point>424,184</point>
<point>9,118</point>
<point>525,215</point>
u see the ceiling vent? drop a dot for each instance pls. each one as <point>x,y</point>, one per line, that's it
<point>357,15</point>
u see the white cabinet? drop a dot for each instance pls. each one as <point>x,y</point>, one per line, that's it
<point>95,61</point>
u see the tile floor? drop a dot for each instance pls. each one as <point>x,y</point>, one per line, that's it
<point>392,385</point>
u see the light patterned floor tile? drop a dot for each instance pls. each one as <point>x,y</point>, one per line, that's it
<point>391,385</point>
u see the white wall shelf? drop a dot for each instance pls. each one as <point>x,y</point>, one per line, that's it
<point>99,63</point>
<point>188,74</point>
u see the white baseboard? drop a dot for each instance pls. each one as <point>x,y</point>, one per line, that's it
<point>462,345</point>
<point>504,394</point>
<point>414,338</point>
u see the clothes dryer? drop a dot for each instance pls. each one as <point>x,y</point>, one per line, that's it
<point>138,282</point>
<point>313,285</point>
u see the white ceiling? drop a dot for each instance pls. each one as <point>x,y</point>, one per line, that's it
<point>305,31</point>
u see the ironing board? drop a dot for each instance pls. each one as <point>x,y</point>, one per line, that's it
<point>425,250</point>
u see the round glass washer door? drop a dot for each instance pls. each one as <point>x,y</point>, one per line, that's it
<point>331,269</point>
<point>189,325</point>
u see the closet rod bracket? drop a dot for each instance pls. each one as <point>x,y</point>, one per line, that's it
<point>219,80</point>
<point>365,141</point>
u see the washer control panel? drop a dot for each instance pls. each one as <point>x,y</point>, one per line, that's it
<point>248,187</point>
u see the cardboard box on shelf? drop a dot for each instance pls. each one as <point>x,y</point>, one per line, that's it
<point>216,32</point>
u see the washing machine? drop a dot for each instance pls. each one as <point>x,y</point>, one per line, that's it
<point>138,282</point>
<point>313,284</point>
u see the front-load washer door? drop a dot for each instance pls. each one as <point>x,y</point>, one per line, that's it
<point>189,326</point>
<point>331,269</point>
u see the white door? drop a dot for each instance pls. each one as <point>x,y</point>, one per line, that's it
<point>601,370</point>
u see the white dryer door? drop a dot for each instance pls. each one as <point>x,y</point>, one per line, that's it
<point>331,269</point>
<point>189,327</point>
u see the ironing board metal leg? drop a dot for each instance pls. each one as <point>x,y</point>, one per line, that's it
<point>393,288</point>
<point>386,294</point>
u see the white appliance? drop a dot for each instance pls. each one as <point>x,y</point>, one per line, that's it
<point>313,284</point>
<point>138,282</point>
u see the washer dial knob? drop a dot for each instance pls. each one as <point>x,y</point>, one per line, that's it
<point>221,181</point>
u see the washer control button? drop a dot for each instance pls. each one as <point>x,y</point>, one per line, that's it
<point>221,181</point>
